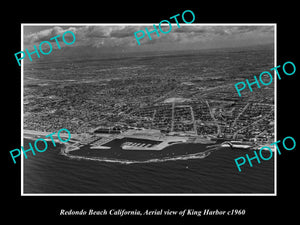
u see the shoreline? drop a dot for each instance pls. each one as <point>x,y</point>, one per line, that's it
<point>33,135</point>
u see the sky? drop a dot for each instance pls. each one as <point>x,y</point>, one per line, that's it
<point>114,38</point>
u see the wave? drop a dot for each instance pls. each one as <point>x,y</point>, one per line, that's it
<point>199,155</point>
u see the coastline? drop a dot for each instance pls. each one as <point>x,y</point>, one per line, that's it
<point>83,142</point>
<point>33,135</point>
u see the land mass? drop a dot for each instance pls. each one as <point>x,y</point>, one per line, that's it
<point>169,99</point>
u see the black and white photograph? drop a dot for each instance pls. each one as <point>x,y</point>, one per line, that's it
<point>144,112</point>
<point>150,110</point>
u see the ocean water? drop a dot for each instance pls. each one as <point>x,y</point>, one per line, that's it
<point>51,172</point>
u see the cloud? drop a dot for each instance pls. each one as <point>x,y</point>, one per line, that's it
<point>95,32</point>
<point>106,36</point>
<point>43,35</point>
<point>126,31</point>
<point>223,30</point>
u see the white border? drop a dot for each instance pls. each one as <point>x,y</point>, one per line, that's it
<point>152,194</point>
<point>275,108</point>
<point>22,113</point>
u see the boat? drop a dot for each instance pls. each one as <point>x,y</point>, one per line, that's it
<point>131,147</point>
<point>136,146</point>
